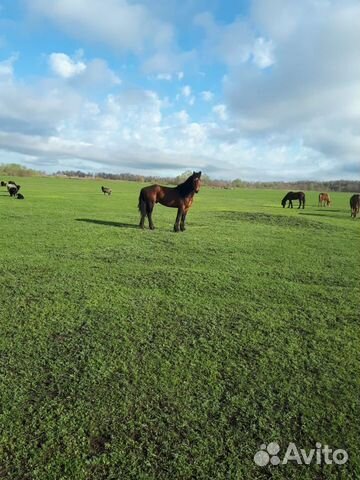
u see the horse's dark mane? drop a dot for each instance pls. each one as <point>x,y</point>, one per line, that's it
<point>187,187</point>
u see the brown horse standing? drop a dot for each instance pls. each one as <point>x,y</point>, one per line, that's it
<point>180,197</point>
<point>324,200</point>
<point>355,205</point>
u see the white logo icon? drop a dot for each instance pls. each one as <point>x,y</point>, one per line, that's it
<point>267,454</point>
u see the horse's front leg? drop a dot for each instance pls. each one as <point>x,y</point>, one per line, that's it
<point>290,204</point>
<point>177,221</point>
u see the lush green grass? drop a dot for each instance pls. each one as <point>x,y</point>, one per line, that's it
<point>129,354</point>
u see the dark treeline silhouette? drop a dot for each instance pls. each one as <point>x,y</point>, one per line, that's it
<point>331,185</point>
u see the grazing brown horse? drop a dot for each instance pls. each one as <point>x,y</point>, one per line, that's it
<point>290,196</point>
<point>355,205</point>
<point>106,190</point>
<point>324,200</point>
<point>180,197</point>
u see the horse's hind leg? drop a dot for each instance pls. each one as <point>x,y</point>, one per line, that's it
<point>142,208</point>
<point>149,208</point>
<point>142,221</point>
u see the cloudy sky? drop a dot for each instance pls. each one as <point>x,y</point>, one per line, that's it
<point>250,89</point>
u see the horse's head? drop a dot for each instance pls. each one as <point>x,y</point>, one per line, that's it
<point>283,202</point>
<point>196,181</point>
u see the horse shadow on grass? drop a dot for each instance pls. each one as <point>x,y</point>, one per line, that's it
<point>107,223</point>
<point>311,214</point>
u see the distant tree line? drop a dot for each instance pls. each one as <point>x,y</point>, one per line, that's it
<point>329,186</point>
<point>15,170</point>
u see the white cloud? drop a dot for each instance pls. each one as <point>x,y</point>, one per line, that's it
<point>182,116</point>
<point>186,91</point>
<point>98,73</point>
<point>310,95</point>
<point>207,96</point>
<point>234,43</point>
<point>93,73</point>
<point>263,53</point>
<point>221,111</point>
<point>169,61</point>
<point>119,24</point>
<point>122,25</point>
<point>164,76</point>
<point>64,66</point>
<point>7,67</point>
<point>291,79</point>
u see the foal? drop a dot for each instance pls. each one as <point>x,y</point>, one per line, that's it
<point>180,197</point>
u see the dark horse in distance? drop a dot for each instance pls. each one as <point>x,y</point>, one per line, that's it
<point>290,196</point>
<point>355,205</point>
<point>180,197</point>
<point>106,190</point>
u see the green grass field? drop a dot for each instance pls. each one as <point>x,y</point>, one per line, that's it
<point>129,354</point>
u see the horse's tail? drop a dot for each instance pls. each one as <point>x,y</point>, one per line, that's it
<point>304,200</point>
<point>142,203</point>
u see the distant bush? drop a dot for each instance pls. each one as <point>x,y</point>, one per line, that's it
<point>15,170</point>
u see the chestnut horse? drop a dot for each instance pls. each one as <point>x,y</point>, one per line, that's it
<point>180,197</point>
<point>355,205</point>
<point>290,196</point>
<point>324,200</point>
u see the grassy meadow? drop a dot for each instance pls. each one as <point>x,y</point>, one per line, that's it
<point>129,354</point>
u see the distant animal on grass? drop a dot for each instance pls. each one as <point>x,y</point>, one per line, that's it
<point>20,196</point>
<point>106,190</point>
<point>13,189</point>
<point>324,200</point>
<point>355,205</point>
<point>11,184</point>
<point>290,196</point>
<point>3,184</point>
<point>180,197</point>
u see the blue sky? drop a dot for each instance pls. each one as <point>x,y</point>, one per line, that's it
<point>255,89</point>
